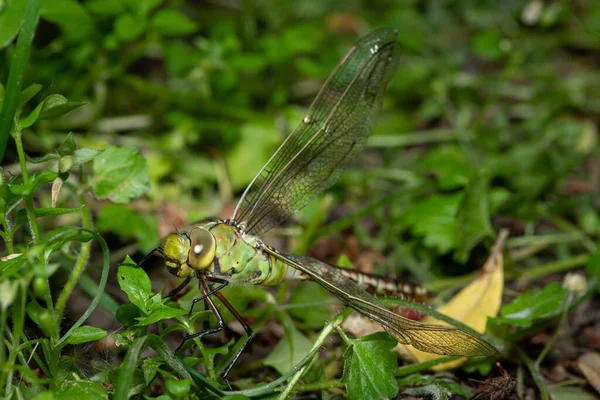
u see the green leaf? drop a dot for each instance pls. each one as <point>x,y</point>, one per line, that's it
<point>69,15</point>
<point>593,267</point>
<point>81,389</point>
<point>570,393</point>
<point>28,93</point>
<point>120,174</point>
<point>135,283</point>
<point>309,302</point>
<point>37,180</point>
<point>105,7</point>
<point>369,365</point>
<point>129,27</point>
<point>160,314</point>
<point>128,313</point>
<point>173,22</point>
<point>123,221</point>
<point>84,155</point>
<point>486,45</point>
<point>178,387</point>
<point>150,367</point>
<point>243,164</point>
<point>434,219</point>
<point>52,107</point>
<point>85,334</point>
<point>11,16</point>
<point>473,218</point>
<point>450,166</point>
<point>290,350</point>
<point>532,306</point>
<point>67,148</point>
<point>142,7</point>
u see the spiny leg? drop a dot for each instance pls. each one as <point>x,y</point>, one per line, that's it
<point>151,254</point>
<point>246,327</point>
<point>178,289</point>
<point>205,296</point>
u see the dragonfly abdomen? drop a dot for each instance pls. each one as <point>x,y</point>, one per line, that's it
<point>382,286</point>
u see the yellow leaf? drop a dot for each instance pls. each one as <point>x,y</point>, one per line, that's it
<point>473,304</point>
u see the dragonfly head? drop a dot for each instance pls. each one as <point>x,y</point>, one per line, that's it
<point>187,252</point>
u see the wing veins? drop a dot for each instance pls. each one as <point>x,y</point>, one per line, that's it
<point>439,339</point>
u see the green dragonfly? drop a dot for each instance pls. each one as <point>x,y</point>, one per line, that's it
<point>311,159</point>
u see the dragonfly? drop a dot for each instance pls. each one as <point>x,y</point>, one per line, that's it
<point>330,136</point>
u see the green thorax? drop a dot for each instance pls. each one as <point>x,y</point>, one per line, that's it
<point>239,258</point>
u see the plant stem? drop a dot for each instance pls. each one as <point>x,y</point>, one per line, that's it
<point>29,209</point>
<point>550,343</point>
<point>535,374</point>
<point>322,385</point>
<point>80,264</point>
<point>19,309</point>
<point>329,328</point>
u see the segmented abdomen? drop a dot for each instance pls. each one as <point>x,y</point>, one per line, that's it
<point>382,286</point>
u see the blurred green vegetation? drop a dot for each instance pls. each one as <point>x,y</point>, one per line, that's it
<point>491,122</point>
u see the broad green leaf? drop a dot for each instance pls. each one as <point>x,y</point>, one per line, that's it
<point>309,304</point>
<point>134,281</point>
<point>369,365</point>
<point>142,7</point>
<point>178,387</point>
<point>129,27</point>
<point>434,219</point>
<point>531,306</point>
<point>570,393</point>
<point>69,15</point>
<point>449,165</point>
<point>486,45</point>
<point>161,314</point>
<point>473,218</point>
<point>105,7</point>
<point>85,334</point>
<point>128,313</point>
<point>10,20</point>
<point>289,351</point>
<point>173,22</point>
<point>120,174</point>
<point>123,221</point>
<point>81,389</point>
<point>52,107</point>
<point>84,155</point>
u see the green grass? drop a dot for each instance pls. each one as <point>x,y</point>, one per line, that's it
<point>122,119</point>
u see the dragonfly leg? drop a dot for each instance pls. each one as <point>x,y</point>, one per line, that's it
<point>148,256</point>
<point>246,327</point>
<point>179,288</point>
<point>206,295</point>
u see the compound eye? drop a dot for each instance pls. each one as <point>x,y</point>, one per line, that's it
<point>203,249</point>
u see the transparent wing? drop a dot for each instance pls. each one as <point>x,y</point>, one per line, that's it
<point>438,339</point>
<point>333,133</point>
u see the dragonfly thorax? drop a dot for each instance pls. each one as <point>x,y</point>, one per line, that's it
<point>188,252</point>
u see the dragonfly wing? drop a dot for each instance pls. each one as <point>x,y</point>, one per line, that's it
<point>333,133</point>
<point>438,339</point>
